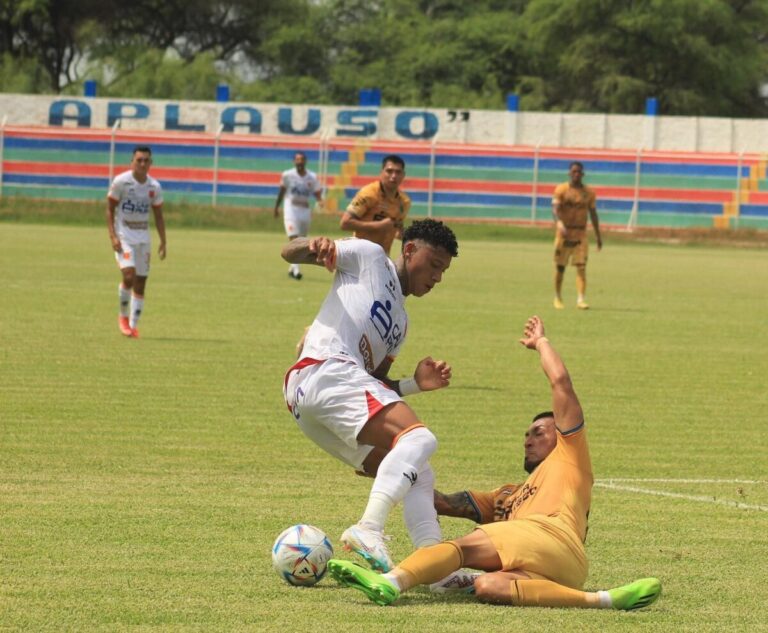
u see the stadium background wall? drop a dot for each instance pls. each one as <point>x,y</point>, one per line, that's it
<point>648,170</point>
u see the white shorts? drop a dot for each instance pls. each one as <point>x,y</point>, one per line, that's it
<point>332,401</point>
<point>296,220</point>
<point>135,256</point>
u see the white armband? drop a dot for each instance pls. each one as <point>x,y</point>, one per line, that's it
<point>408,386</point>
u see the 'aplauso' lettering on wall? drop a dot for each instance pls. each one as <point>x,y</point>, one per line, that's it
<point>244,119</point>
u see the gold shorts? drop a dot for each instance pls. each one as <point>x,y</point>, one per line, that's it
<point>572,249</point>
<point>543,547</point>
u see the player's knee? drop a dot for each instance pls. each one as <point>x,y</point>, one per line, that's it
<point>423,438</point>
<point>560,269</point>
<point>491,589</point>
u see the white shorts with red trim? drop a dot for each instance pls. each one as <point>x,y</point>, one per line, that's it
<point>331,401</point>
<point>134,256</point>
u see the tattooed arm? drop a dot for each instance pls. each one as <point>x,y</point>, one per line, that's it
<point>458,504</point>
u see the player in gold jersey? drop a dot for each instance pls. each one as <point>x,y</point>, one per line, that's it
<point>530,541</point>
<point>572,202</point>
<point>378,210</point>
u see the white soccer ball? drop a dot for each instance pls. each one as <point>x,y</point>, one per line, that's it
<point>300,555</point>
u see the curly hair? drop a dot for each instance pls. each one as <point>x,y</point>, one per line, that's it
<point>434,233</point>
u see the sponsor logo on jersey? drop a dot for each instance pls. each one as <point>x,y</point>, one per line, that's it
<point>366,351</point>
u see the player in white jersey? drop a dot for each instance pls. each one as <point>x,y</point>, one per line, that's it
<point>131,196</point>
<point>300,185</point>
<point>339,391</point>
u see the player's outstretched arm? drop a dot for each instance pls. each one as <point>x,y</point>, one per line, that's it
<point>311,250</point>
<point>430,374</point>
<point>565,404</point>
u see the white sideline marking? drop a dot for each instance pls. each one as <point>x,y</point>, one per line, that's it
<point>677,495</point>
<point>681,481</point>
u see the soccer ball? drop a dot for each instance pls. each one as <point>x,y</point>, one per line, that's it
<point>300,555</point>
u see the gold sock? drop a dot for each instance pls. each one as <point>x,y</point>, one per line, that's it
<point>581,281</point>
<point>428,564</point>
<point>545,593</point>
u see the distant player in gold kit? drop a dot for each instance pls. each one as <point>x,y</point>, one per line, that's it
<point>378,210</point>
<point>530,537</point>
<point>571,203</point>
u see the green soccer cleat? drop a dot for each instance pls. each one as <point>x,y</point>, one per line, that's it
<point>635,595</point>
<point>375,586</point>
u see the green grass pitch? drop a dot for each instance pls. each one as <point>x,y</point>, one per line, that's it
<point>143,482</point>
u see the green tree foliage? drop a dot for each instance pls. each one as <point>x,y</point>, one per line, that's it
<point>698,57</point>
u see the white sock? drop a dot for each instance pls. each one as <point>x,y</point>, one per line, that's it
<point>419,510</point>
<point>397,473</point>
<point>137,305</point>
<point>391,578</point>
<point>605,600</point>
<point>125,299</point>
<point>294,269</point>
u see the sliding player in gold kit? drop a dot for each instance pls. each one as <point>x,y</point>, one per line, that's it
<point>530,540</point>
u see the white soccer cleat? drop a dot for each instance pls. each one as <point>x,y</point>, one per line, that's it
<point>369,544</point>
<point>460,581</point>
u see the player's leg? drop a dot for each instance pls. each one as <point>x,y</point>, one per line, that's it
<point>559,275</point>
<point>410,443</point>
<point>137,304</point>
<point>419,510</point>
<point>424,566</point>
<point>124,296</point>
<point>580,261</point>
<point>126,261</point>
<point>561,259</point>
<point>515,588</point>
<point>296,225</point>
<point>142,257</point>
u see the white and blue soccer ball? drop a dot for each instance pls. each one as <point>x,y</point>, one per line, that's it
<point>300,555</point>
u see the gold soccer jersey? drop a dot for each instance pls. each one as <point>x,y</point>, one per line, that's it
<point>371,204</point>
<point>575,203</point>
<point>561,486</point>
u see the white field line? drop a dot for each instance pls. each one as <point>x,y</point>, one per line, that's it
<point>681,481</point>
<point>676,495</point>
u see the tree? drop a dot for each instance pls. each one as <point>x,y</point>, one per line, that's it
<point>698,57</point>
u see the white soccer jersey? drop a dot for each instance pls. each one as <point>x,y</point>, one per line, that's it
<point>134,200</point>
<point>298,189</point>
<point>363,318</point>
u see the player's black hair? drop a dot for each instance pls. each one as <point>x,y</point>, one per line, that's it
<point>393,158</point>
<point>543,414</point>
<point>578,164</point>
<point>143,149</point>
<point>302,154</point>
<point>434,233</point>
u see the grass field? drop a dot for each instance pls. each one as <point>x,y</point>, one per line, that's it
<point>143,482</point>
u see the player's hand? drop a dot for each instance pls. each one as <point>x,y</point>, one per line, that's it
<point>387,224</point>
<point>276,212</point>
<point>116,245</point>
<point>324,249</point>
<point>599,244</point>
<point>532,332</point>
<point>161,250</point>
<point>432,374</point>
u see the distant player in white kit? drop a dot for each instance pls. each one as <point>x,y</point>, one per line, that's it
<point>339,391</point>
<point>300,184</point>
<point>131,195</point>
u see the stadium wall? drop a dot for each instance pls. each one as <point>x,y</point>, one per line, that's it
<point>496,182</point>
<point>544,129</point>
